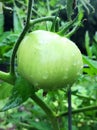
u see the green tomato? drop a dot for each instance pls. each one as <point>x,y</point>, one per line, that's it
<point>49,61</point>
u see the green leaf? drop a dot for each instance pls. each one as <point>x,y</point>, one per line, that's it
<point>66,27</point>
<point>92,69</point>
<point>18,23</point>
<point>1,22</point>
<point>1,18</point>
<point>8,54</point>
<point>87,5</point>
<point>5,1</point>
<point>5,90</point>
<point>94,45</point>
<point>7,40</point>
<point>76,23</point>
<point>69,8</point>
<point>87,44</point>
<point>41,125</point>
<point>20,93</point>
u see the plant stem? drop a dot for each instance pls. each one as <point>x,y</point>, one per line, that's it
<point>84,109</point>
<point>7,77</point>
<point>27,126</point>
<point>38,20</point>
<point>67,26</point>
<point>47,110</point>
<point>48,7</point>
<point>69,8</point>
<point>12,68</point>
<point>29,11</point>
<point>84,97</point>
<point>73,30</point>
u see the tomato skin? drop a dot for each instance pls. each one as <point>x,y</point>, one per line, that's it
<point>49,61</point>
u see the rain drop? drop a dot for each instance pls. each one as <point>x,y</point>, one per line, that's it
<point>78,62</point>
<point>73,55</point>
<point>74,64</point>
<point>81,66</point>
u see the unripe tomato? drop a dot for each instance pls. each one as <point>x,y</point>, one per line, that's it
<point>49,61</point>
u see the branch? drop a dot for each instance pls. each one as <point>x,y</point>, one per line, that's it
<point>84,97</point>
<point>38,20</point>
<point>7,77</point>
<point>73,30</point>
<point>47,110</point>
<point>12,69</point>
<point>84,109</point>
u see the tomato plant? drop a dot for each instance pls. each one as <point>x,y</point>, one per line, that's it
<point>44,64</point>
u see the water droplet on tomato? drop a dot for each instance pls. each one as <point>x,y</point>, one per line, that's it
<point>81,66</point>
<point>73,55</point>
<point>74,64</point>
<point>78,62</point>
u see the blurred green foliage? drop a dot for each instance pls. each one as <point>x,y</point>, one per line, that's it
<point>29,116</point>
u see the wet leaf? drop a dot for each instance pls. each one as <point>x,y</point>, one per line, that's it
<point>5,90</point>
<point>20,93</point>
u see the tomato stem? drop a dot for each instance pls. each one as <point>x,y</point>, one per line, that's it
<point>6,77</point>
<point>15,48</point>
<point>84,109</point>
<point>74,30</point>
<point>47,110</point>
<point>38,20</point>
<point>67,26</point>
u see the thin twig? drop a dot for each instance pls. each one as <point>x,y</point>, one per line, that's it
<point>47,110</point>
<point>84,109</point>
<point>38,20</point>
